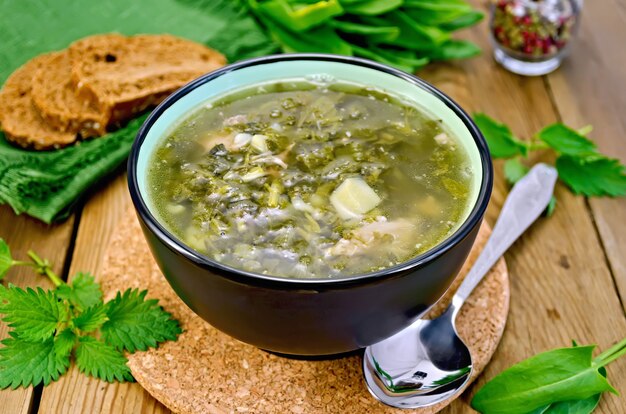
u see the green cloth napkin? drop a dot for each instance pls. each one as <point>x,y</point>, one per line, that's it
<point>46,185</point>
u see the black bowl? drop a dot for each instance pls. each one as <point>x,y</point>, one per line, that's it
<point>306,316</point>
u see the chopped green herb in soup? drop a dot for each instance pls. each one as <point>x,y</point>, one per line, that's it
<point>304,181</point>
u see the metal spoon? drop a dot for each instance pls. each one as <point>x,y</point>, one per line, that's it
<point>427,362</point>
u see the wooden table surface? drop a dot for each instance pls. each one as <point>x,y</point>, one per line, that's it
<point>568,272</point>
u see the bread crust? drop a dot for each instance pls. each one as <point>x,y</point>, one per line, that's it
<point>55,98</point>
<point>125,75</point>
<point>20,120</point>
<point>96,84</point>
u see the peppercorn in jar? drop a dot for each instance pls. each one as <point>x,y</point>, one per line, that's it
<point>531,37</point>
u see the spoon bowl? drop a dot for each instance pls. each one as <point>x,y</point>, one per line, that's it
<point>428,362</point>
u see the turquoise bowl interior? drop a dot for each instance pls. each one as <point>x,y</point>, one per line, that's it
<point>312,71</point>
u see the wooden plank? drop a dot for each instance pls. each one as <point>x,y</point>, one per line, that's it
<point>590,88</point>
<point>50,242</point>
<point>75,392</point>
<point>562,288</point>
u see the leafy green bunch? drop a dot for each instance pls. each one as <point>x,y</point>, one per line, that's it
<point>561,381</point>
<point>49,327</point>
<point>406,34</point>
<point>579,164</point>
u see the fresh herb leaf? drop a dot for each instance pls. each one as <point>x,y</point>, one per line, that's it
<point>593,176</point>
<point>33,314</point>
<point>91,319</point>
<point>373,33</point>
<point>586,130</point>
<point>302,18</point>
<point>410,30</point>
<point>585,406</point>
<point>371,7</point>
<point>514,170</point>
<point>100,360</point>
<point>558,375</point>
<point>466,20</point>
<point>136,323</point>
<point>540,410</point>
<point>374,53</point>
<point>393,26</point>
<point>320,39</point>
<point>83,292</point>
<point>49,325</point>
<point>584,170</point>
<point>436,12</point>
<point>566,141</point>
<point>25,363</point>
<point>64,342</point>
<point>452,49</point>
<point>501,141</point>
<point>6,261</point>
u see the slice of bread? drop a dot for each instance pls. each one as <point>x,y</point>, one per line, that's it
<point>55,98</point>
<point>125,75</point>
<point>19,120</point>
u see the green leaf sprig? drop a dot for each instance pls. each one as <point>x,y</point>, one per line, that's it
<point>49,328</point>
<point>579,164</point>
<point>406,34</point>
<point>565,380</point>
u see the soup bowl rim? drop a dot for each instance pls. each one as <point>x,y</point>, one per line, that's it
<point>176,245</point>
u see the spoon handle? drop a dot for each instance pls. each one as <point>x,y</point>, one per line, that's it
<point>525,203</point>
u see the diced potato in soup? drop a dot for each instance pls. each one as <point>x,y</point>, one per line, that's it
<point>353,198</point>
<point>307,181</point>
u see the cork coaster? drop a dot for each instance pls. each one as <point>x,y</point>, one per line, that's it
<point>206,371</point>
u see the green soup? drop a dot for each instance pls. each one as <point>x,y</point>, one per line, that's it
<point>298,180</point>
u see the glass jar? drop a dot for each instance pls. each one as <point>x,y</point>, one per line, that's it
<point>531,37</point>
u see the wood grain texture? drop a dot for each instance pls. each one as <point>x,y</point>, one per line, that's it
<point>561,271</point>
<point>562,288</point>
<point>75,392</point>
<point>590,88</point>
<point>50,242</point>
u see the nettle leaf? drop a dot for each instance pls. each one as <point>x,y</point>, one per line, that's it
<point>83,292</point>
<point>593,176</point>
<point>64,342</point>
<point>501,141</point>
<point>565,140</point>
<point>6,261</point>
<point>514,170</point>
<point>558,375</point>
<point>25,363</point>
<point>95,358</point>
<point>33,314</point>
<point>91,319</point>
<point>136,324</point>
